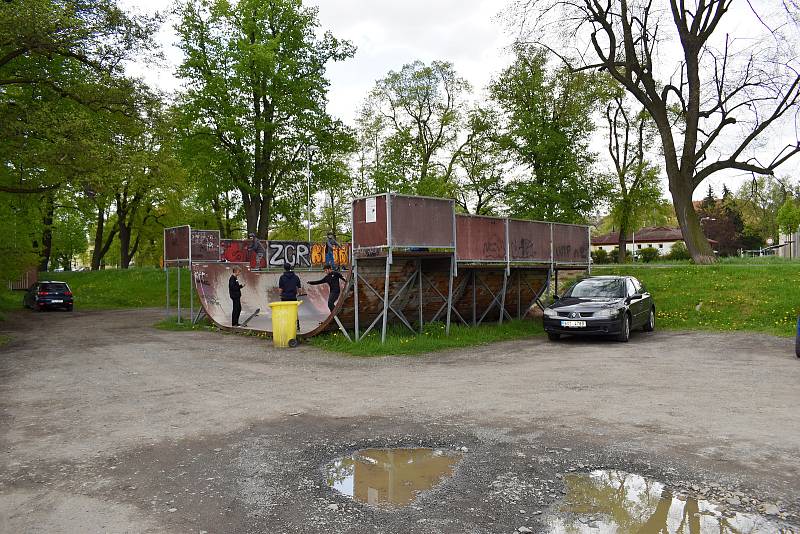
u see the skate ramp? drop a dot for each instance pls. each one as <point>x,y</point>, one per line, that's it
<point>261,288</point>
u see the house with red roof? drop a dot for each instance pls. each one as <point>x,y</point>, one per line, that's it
<point>661,238</point>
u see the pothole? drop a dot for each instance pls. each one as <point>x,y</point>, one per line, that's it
<point>390,477</point>
<point>615,501</point>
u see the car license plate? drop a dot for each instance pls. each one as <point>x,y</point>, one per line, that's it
<point>573,324</point>
<point>54,301</point>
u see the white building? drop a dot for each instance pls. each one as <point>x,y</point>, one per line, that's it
<point>660,238</point>
<point>790,245</point>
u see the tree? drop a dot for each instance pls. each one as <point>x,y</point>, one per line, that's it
<point>481,164</point>
<point>788,218</point>
<point>61,67</point>
<point>717,86</point>
<point>256,89</point>
<point>69,237</point>
<point>548,122</point>
<point>637,189</point>
<point>411,122</point>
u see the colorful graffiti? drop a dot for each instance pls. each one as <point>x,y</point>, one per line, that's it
<point>278,252</point>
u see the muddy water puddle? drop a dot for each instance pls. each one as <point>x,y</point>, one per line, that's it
<point>390,477</point>
<point>624,503</point>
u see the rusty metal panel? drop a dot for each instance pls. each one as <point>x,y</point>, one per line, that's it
<point>422,222</point>
<point>369,226</point>
<point>205,245</point>
<point>480,238</point>
<point>570,243</point>
<point>528,240</point>
<point>176,244</point>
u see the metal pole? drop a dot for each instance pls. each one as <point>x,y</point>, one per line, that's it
<point>589,258</point>
<point>179,294</point>
<point>421,318</point>
<point>503,298</point>
<point>474,300</point>
<point>385,300</point>
<point>355,291</point>
<point>308,195</point>
<point>166,311</point>
<point>450,292</point>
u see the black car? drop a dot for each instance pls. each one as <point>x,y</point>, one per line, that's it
<point>47,295</point>
<point>601,305</point>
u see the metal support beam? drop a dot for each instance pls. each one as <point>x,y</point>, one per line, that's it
<point>166,310</point>
<point>179,294</point>
<point>494,301</point>
<point>386,297</point>
<point>342,328</point>
<point>389,307</point>
<point>474,300</point>
<point>419,283</point>
<point>444,299</point>
<point>450,290</point>
<point>355,293</point>
<point>503,298</point>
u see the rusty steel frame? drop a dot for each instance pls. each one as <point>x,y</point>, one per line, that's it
<point>494,301</point>
<point>448,301</point>
<point>387,306</point>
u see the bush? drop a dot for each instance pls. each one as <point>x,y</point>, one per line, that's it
<point>600,257</point>
<point>648,254</point>
<point>679,252</point>
<point>613,257</point>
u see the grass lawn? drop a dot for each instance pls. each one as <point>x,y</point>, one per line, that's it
<point>754,296</point>
<point>171,324</point>
<point>113,288</point>
<point>400,341</point>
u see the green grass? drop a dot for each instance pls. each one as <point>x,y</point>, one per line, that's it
<point>171,324</point>
<point>113,289</point>
<point>732,295</point>
<point>400,341</point>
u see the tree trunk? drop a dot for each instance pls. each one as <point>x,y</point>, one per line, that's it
<point>101,248</point>
<point>693,236</point>
<point>47,232</point>
<point>623,234</point>
<point>124,244</point>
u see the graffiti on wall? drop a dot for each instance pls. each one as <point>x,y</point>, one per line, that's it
<point>297,253</point>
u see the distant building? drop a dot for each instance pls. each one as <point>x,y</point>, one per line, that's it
<point>660,238</point>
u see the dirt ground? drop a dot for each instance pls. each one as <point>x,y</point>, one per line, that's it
<point>109,425</point>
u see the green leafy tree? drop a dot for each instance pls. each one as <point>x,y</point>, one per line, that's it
<point>637,188</point>
<point>409,125</point>
<point>481,164</point>
<point>69,237</point>
<point>549,121</point>
<point>715,100</point>
<point>256,90</point>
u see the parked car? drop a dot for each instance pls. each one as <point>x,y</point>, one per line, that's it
<point>49,294</point>
<point>601,305</point>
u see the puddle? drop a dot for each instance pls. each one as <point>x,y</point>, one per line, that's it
<point>390,476</point>
<point>624,503</point>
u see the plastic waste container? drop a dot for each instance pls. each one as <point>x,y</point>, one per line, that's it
<point>284,323</point>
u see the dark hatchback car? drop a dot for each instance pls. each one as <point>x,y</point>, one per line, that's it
<point>48,295</point>
<point>601,305</point>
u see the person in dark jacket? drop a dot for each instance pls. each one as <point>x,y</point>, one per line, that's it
<point>235,292</point>
<point>289,283</point>
<point>332,279</point>
<point>258,249</point>
<point>330,244</point>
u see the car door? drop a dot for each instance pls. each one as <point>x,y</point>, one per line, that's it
<point>634,305</point>
<point>643,304</point>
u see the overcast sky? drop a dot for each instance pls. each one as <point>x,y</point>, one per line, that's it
<point>388,34</point>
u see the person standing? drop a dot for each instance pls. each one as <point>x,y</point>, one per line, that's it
<point>235,292</point>
<point>331,278</point>
<point>289,283</point>
<point>258,249</point>
<point>330,243</point>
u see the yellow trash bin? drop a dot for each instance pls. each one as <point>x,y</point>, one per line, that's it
<point>284,323</point>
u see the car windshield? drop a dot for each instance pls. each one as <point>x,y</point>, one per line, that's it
<point>53,287</point>
<point>612,288</point>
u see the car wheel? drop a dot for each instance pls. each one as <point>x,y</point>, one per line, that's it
<point>69,308</point>
<point>552,336</point>
<point>625,330</point>
<point>650,325</point>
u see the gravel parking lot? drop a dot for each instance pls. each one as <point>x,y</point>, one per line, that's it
<point>109,425</point>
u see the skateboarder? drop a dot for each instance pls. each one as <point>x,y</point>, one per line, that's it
<point>256,247</point>
<point>330,243</point>
<point>235,292</point>
<point>332,279</point>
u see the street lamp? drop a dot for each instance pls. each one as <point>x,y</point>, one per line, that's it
<point>311,151</point>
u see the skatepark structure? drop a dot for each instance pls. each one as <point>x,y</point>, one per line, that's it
<point>412,261</point>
